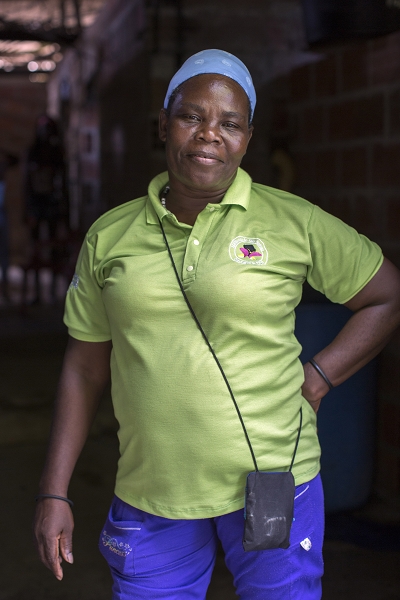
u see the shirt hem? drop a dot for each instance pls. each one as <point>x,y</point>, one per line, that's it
<point>85,337</point>
<point>362,286</point>
<point>199,512</point>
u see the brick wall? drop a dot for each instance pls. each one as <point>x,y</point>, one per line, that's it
<point>20,103</point>
<point>339,120</point>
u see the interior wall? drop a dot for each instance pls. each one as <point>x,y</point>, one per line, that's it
<point>338,122</point>
<point>125,136</point>
<point>21,102</point>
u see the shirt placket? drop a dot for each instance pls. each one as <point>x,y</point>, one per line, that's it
<point>196,241</point>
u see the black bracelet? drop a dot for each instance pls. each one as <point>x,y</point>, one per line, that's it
<point>40,496</point>
<point>320,372</point>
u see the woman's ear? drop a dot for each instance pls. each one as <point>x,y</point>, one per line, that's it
<point>162,125</point>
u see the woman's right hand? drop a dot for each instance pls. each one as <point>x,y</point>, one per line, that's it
<point>85,372</point>
<point>53,526</point>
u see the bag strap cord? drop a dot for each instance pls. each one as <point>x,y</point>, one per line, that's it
<point>219,364</point>
<point>297,439</point>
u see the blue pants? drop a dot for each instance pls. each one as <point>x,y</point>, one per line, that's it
<point>156,558</point>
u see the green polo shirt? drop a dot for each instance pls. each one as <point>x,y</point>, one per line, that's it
<point>242,264</point>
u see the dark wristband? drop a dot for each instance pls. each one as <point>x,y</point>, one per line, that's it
<point>321,373</point>
<point>40,496</point>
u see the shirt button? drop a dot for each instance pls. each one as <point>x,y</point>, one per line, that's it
<point>212,208</point>
<point>189,268</point>
<point>196,242</point>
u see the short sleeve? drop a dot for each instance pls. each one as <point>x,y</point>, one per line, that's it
<point>85,314</point>
<point>342,260</point>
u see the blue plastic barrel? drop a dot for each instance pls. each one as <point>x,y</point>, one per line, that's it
<point>346,418</point>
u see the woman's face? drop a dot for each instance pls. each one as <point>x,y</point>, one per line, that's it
<point>206,133</point>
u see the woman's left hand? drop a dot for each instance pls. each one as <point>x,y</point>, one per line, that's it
<point>376,315</point>
<point>314,387</point>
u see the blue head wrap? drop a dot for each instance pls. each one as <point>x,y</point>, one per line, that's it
<point>214,61</point>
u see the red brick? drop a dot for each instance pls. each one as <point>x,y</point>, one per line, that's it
<point>386,165</point>
<point>326,77</point>
<point>365,219</point>
<point>157,93</point>
<point>326,168</point>
<point>392,253</point>
<point>393,347</point>
<point>390,416</point>
<point>389,472</point>
<point>389,375</point>
<point>280,118</point>
<point>340,207</point>
<point>279,88</point>
<point>317,198</point>
<point>300,83</point>
<point>394,111</point>
<point>295,125</point>
<point>393,218</point>
<point>312,128</point>
<point>355,119</point>
<point>304,168</point>
<point>379,44</point>
<point>354,166</point>
<point>354,67</point>
<point>384,60</point>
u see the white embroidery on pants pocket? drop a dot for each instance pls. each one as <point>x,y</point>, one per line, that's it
<point>117,547</point>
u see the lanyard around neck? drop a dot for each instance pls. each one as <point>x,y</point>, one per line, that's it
<point>219,364</point>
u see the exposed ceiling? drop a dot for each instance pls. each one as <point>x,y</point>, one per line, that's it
<point>34,33</point>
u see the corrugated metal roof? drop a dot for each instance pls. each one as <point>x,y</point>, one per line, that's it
<point>33,33</point>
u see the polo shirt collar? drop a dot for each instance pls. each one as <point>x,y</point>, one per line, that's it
<point>238,193</point>
<point>154,209</point>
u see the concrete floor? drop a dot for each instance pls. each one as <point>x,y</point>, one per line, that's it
<point>362,554</point>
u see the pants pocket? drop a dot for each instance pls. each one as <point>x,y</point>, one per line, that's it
<point>303,522</point>
<point>118,540</point>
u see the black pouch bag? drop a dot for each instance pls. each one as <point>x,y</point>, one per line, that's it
<point>269,506</point>
<point>268,510</point>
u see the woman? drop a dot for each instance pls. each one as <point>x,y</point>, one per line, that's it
<point>242,252</point>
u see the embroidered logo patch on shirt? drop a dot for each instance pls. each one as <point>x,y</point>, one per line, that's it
<point>247,251</point>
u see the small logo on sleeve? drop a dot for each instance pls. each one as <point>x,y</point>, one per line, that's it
<point>75,282</point>
<point>247,251</point>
